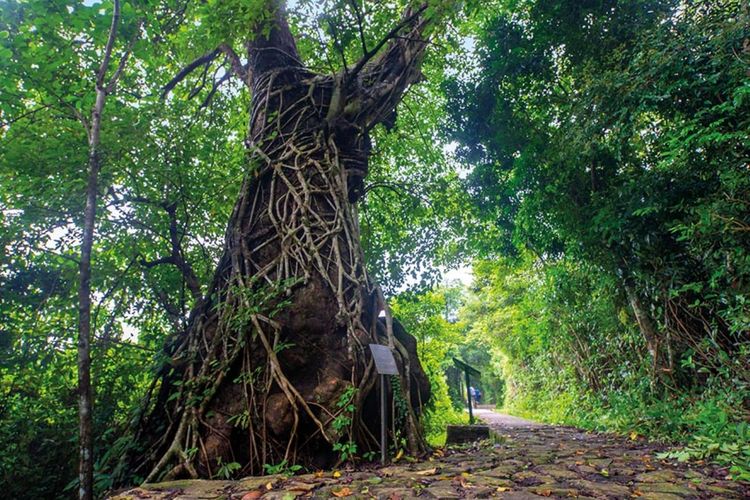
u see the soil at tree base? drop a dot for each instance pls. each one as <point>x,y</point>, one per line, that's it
<point>525,461</point>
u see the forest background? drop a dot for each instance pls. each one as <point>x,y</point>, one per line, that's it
<point>589,159</point>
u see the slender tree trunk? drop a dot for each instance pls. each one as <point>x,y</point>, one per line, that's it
<point>85,403</point>
<point>659,362</point>
<point>85,392</point>
<point>274,366</point>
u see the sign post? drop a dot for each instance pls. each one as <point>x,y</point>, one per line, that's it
<point>385,364</point>
<point>468,370</point>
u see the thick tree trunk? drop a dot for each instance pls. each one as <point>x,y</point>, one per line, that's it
<point>274,365</point>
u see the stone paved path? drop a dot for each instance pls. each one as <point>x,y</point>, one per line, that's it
<point>501,420</point>
<point>526,461</point>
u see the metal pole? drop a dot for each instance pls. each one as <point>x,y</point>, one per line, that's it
<point>382,419</point>
<point>468,397</point>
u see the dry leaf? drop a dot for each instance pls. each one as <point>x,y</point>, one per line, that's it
<point>336,474</point>
<point>399,455</point>
<point>252,495</point>
<point>501,489</point>
<point>343,492</point>
<point>428,472</point>
<point>269,485</point>
<point>545,493</point>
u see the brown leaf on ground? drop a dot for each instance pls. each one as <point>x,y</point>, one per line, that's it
<point>252,495</point>
<point>343,492</point>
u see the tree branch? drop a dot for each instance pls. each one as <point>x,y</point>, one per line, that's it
<point>110,45</point>
<point>406,21</point>
<point>184,72</point>
<point>358,15</point>
<point>239,70</point>
<point>123,60</point>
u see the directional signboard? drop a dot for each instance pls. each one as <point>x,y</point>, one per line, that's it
<point>463,366</point>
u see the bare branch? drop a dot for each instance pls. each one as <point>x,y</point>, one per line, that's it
<point>358,15</point>
<point>239,70</point>
<point>110,45</point>
<point>200,61</point>
<point>406,21</point>
<point>217,83</point>
<point>124,59</point>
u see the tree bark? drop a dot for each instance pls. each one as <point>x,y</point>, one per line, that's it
<point>274,365</point>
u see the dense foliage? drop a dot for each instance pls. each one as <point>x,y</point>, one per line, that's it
<point>612,154</point>
<point>601,177</point>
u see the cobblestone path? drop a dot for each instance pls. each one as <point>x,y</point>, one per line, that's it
<point>525,461</point>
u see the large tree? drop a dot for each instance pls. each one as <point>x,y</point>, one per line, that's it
<point>274,364</point>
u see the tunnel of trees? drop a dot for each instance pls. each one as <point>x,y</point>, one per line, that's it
<point>216,205</point>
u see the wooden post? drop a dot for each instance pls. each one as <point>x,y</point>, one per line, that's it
<point>468,396</point>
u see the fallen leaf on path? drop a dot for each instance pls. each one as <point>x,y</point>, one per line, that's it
<point>399,455</point>
<point>501,489</point>
<point>269,485</point>
<point>428,472</point>
<point>252,495</point>
<point>343,492</point>
<point>336,474</point>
